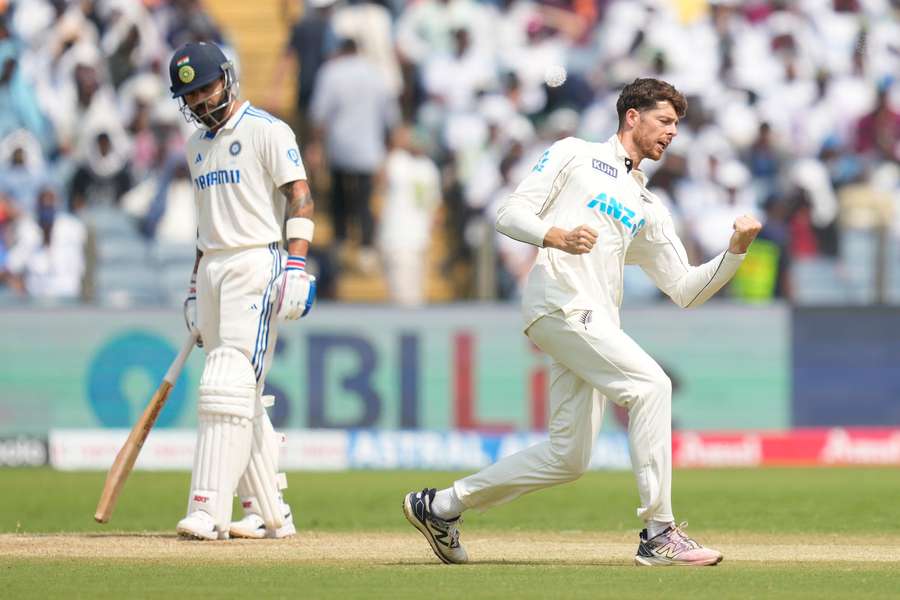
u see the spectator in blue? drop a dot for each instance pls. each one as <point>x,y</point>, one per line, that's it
<point>312,41</point>
<point>21,169</point>
<point>18,101</point>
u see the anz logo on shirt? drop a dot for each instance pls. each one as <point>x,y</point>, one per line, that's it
<point>219,177</point>
<point>609,206</point>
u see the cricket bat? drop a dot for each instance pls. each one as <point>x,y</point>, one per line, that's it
<point>121,467</point>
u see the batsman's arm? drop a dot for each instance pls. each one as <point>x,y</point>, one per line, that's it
<point>300,205</point>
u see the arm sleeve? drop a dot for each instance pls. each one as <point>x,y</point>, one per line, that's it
<point>280,155</point>
<point>662,256</point>
<point>519,216</point>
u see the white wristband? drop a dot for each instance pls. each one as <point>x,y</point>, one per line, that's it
<point>300,228</point>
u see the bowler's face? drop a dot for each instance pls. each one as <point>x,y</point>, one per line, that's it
<point>654,130</point>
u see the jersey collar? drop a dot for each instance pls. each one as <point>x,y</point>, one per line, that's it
<point>622,154</point>
<point>232,121</point>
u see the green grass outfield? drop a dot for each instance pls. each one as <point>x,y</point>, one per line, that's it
<point>786,533</point>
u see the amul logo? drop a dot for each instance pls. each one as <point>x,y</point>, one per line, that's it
<point>609,206</point>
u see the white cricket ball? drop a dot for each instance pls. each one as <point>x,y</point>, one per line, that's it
<point>555,75</point>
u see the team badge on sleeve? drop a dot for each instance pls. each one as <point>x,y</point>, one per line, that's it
<point>294,156</point>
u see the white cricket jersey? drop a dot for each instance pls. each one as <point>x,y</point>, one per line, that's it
<point>576,182</point>
<point>236,173</point>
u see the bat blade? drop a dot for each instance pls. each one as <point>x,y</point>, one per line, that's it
<point>125,459</point>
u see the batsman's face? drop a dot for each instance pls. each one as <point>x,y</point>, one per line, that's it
<point>654,130</point>
<point>206,101</point>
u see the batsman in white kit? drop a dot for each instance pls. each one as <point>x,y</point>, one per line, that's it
<point>248,177</point>
<point>586,206</point>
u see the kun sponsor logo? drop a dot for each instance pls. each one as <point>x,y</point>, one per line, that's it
<point>609,206</point>
<point>220,177</point>
<point>605,168</point>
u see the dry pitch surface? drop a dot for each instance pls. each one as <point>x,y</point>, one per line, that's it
<point>575,548</point>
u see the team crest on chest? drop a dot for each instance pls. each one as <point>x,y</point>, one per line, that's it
<point>234,148</point>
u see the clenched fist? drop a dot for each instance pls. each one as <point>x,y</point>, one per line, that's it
<point>577,241</point>
<point>746,228</point>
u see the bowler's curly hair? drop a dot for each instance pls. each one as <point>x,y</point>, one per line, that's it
<point>643,94</point>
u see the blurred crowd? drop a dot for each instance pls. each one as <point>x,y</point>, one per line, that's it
<point>417,118</point>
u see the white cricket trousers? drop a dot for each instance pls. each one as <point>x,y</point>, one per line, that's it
<point>593,359</point>
<point>234,303</point>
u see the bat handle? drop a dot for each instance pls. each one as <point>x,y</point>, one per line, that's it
<point>177,364</point>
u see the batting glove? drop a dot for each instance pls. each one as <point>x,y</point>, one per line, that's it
<point>190,310</point>
<point>296,290</point>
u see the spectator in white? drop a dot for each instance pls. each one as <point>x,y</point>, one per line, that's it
<point>412,199</point>
<point>545,51</point>
<point>51,30</point>
<point>353,110</point>
<point>426,27</point>
<point>47,257</point>
<point>455,78</point>
<point>131,40</point>
<point>139,97</point>
<point>85,103</point>
<point>369,23</point>
<point>22,169</point>
<point>102,177</point>
<point>733,198</point>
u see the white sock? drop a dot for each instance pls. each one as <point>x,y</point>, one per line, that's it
<point>447,504</point>
<point>654,528</point>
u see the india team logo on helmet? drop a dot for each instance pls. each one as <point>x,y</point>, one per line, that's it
<point>186,74</point>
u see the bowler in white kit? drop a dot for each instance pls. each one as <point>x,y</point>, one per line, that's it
<point>586,206</point>
<point>249,187</point>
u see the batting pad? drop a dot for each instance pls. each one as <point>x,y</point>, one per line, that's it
<point>228,384</point>
<point>261,484</point>
<point>224,432</point>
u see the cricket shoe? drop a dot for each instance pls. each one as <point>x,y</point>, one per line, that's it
<point>673,547</point>
<point>200,526</point>
<point>442,535</point>
<point>253,527</point>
